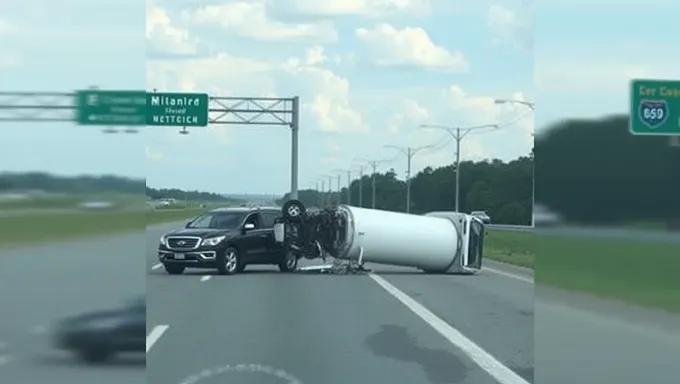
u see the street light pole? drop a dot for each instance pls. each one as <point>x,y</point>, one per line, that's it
<point>374,166</point>
<point>349,185</point>
<point>409,152</point>
<point>458,135</point>
<point>329,199</point>
<point>512,101</point>
<point>361,182</point>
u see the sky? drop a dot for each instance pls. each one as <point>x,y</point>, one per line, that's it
<point>368,74</point>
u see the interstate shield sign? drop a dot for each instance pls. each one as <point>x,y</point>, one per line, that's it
<point>653,113</point>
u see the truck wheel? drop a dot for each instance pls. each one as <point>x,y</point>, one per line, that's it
<point>293,210</point>
<point>229,262</point>
<point>288,262</point>
<point>173,269</point>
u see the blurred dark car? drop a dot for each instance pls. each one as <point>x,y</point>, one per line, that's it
<point>98,336</point>
<point>544,217</point>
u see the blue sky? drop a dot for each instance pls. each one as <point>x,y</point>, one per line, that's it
<point>367,72</point>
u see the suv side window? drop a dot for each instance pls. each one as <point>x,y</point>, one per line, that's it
<point>253,218</point>
<point>268,218</point>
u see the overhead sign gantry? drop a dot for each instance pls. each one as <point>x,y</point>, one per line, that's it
<point>132,108</point>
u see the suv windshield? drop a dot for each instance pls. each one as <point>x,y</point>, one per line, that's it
<point>476,244</point>
<point>218,220</point>
<point>478,213</point>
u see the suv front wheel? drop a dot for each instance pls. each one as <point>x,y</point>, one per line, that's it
<point>229,262</point>
<point>173,269</point>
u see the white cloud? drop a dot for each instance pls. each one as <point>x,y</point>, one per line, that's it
<point>163,36</point>
<point>250,19</point>
<point>586,72</point>
<point>152,154</point>
<point>510,27</point>
<point>325,95</point>
<point>364,8</point>
<point>389,46</point>
<point>316,56</point>
<point>330,99</point>
<point>409,115</point>
<point>483,110</point>
<point>10,60</point>
<point>5,28</point>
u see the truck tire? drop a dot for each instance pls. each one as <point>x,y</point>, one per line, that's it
<point>229,262</point>
<point>288,262</point>
<point>293,210</point>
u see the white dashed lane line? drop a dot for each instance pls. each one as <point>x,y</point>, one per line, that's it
<point>203,278</point>
<point>155,334</point>
<point>525,279</point>
<point>4,356</point>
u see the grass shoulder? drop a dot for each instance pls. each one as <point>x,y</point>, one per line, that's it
<point>37,228</point>
<point>635,271</point>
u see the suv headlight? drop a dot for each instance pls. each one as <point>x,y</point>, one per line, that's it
<point>163,241</point>
<point>212,241</point>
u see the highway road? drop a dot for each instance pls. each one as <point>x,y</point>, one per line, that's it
<point>581,339</point>
<point>40,284</point>
<point>397,326</point>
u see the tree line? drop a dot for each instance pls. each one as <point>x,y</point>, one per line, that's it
<point>88,184</point>
<point>595,171</point>
<point>178,194</point>
<point>502,189</point>
<point>47,182</point>
<point>591,171</point>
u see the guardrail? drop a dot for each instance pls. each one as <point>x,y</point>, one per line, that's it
<point>595,232</point>
<point>504,227</point>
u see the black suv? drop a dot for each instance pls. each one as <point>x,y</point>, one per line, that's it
<point>226,239</point>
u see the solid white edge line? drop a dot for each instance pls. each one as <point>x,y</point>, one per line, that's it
<point>154,335</point>
<point>510,275</point>
<point>483,359</point>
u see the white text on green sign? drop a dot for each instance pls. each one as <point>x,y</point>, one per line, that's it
<point>177,109</point>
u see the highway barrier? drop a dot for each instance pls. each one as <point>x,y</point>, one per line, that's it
<point>595,232</point>
<point>516,228</point>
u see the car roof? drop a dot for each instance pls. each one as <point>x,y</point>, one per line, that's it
<point>245,209</point>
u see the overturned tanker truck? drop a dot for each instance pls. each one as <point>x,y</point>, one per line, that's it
<point>437,242</point>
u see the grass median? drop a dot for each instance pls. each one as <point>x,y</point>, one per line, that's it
<point>41,228</point>
<point>510,247</point>
<point>639,272</point>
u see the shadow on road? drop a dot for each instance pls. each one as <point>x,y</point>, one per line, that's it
<point>72,361</point>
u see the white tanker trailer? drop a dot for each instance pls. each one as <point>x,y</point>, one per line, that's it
<point>437,242</point>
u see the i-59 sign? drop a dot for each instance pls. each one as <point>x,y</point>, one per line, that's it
<point>655,107</point>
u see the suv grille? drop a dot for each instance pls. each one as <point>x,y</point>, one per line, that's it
<point>183,242</point>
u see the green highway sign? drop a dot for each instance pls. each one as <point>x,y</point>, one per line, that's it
<point>177,109</point>
<point>655,107</point>
<point>95,107</point>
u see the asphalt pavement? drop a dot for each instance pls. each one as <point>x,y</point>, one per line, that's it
<point>43,283</point>
<point>396,325</point>
<point>582,339</point>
